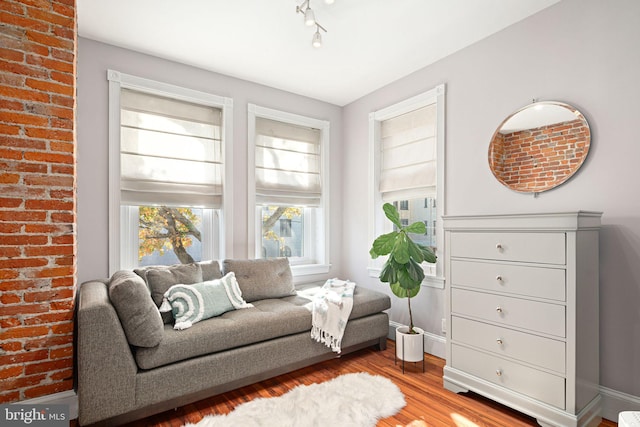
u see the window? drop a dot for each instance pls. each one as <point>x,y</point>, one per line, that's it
<point>407,169</point>
<point>288,185</point>
<point>167,174</point>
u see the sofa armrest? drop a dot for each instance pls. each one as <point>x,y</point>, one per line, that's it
<point>106,366</point>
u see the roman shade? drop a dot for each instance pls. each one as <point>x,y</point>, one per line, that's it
<point>408,166</point>
<point>170,152</point>
<point>288,165</point>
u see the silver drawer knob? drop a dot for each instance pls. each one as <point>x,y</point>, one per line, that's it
<point>499,246</point>
<point>498,372</point>
<point>499,278</point>
<point>499,341</point>
<point>499,309</point>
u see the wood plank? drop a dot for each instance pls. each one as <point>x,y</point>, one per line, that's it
<point>426,398</point>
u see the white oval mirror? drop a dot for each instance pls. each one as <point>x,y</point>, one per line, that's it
<point>539,146</point>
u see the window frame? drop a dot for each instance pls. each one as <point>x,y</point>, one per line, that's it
<point>378,224</point>
<point>119,256</point>
<point>316,220</point>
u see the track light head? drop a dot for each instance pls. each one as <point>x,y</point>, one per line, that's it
<point>309,17</point>
<point>317,38</point>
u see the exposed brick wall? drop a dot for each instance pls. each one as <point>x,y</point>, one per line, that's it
<point>538,159</point>
<point>37,196</point>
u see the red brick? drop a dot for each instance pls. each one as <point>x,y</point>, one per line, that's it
<point>63,218</point>
<point>48,342</point>
<point>48,86</point>
<point>63,147</point>
<point>49,180</point>
<point>66,260</point>
<point>10,346</point>
<point>44,390</point>
<point>64,374</point>
<point>42,296</point>
<point>44,133</point>
<point>10,298</point>
<point>22,142</point>
<point>25,119</point>
<point>49,272</point>
<point>9,129</point>
<point>63,101</point>
<point>46,366</point>
<point>61,123</point>
<point>23,262</point>
<point>10,154</point>
<point>63,281</point>
<point>22,382</point>
<point>22,216</point>
<point>25,240</point>
<point>16,285</point>
<point>65,328</point>
<point>6,202</point>
<point>62,305</point>
<point>24,332</point>
<point>23,309</point>
<point>21,21</point>
<point>8,274</point>
<point>46,229</point>
<point>10,396</point>
<point>64,10</point>
<point>11,372</point>
<point>10,322</point>
<point>11,105</point>
<point>10,251</point>
<point>53,18</point>
<point>10,54</point>
<point>24,93</point>
<point>48,205</point>
<point>63,170</point>
<point>48,318</point>
<point>48,250</point>
<point>67,239</point>
<point>9,178</point>
<point>61,194</point>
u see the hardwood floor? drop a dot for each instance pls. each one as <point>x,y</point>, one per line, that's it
<point>426,399</point>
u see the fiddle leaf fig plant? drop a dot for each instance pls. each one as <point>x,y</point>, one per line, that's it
<point>402,269</point>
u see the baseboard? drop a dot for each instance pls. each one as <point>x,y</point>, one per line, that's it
<point>433,344</point>
<point>614,402</point>
<point>69,398</point>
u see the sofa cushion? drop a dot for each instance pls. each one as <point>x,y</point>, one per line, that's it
<point>262,278</point>
<point>161,279</point>
<point>190,304</point>
<point>268,319</point>
<point>136,310</point>
<point>210,270</point>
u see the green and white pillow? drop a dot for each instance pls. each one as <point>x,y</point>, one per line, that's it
<point>192,303</point>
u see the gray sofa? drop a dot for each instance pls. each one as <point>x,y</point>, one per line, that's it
<point>131,363</point>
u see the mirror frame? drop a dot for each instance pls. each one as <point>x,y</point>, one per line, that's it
<point>566,146</point>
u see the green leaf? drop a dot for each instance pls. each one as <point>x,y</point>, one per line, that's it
<point>383,244</point>
<point>401,292</point>
<point>428,254</point>
<point>400,249</point>
<point>388,273</point>
<point>406,280</point>
<point>415,252</point>
<point>417,227</point>
<point>392,213</point>
<point>415,271</point>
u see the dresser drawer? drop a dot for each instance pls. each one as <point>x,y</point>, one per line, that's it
<point>531,382</point>
<point>544,352</point>
<point>546,248</point>
<point>538,282</point>
<point>535,316</point>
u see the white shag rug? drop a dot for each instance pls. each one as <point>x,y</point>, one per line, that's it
<point>350,400</point>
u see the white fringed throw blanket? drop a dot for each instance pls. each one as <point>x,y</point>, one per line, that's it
<point>330,311</point>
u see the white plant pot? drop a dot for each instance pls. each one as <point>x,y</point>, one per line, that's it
<point>409,347</point>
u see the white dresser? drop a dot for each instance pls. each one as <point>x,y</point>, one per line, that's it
<point>522,310</point>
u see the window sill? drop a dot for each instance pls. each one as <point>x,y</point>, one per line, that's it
<point>309,269</point>
<point>429,281</point>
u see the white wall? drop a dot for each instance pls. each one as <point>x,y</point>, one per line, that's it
<point>93,61</point>
<point>583,52</point>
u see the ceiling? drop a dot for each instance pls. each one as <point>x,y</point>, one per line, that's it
<point>368,44</point>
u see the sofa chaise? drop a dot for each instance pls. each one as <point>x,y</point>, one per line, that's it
<point>132,363</point>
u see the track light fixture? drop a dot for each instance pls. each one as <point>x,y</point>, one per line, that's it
<point>310,20</point>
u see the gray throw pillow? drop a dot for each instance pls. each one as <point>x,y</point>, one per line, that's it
<point>136,310</point>
<point>210,270</point>
<point>262,278</point>
<point>161,279</point>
